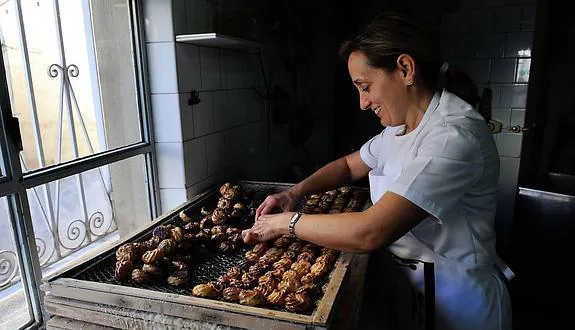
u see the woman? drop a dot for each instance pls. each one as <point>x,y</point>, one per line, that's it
<point>433,174</point>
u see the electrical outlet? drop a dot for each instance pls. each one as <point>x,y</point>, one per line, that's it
<point>495,126</point>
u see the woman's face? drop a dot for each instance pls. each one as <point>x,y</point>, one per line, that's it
<point>379,91</point>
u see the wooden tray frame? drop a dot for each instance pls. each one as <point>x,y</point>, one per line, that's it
<point>86,293</point>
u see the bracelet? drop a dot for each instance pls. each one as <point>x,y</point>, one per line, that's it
<point>292,222</point>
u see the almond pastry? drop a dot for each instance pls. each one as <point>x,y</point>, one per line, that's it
<point>178,278</point>
<point>282,242</point>
<point>301,267</point>
<point>289,255</point>
<point>152,256</point>
<point>305,256</point>
<point>167,246</point>
<point>153,270</point>
<point>139,276</point>
<point>161,232</point>
<point>251,256</point>
<point>297,302</point>
<point>224,204</point>
<point>282,263</point>
<point>251,297</point>
<point>249,280</point>
<point>231,294</point>
<point>219,217</point>
<point>205,291</point>
<point>123,269</point>
<point>260,248</point>
<point>192,227</point>
<point>291,274</point>
<point>177,234</point>
<point>206,222</point>
<point>185,217</point>
<point>277,297</point>
<point>309,278</point>
<point>289,285</point>
<point>226,247</point>
<point>224,188</point>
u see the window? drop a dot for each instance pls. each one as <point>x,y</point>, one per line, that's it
<point>76,156</point>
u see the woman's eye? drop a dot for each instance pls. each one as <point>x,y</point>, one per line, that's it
<point>365,89</point>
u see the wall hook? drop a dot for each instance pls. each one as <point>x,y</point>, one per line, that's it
<point>194,98</point>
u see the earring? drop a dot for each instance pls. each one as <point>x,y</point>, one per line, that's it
<point>409,82</point>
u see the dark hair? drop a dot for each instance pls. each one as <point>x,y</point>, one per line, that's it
<point>389,35</point>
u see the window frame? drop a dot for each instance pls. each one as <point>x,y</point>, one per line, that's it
<point>14,183</point>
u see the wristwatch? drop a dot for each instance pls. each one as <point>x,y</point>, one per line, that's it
<point>292,222</point>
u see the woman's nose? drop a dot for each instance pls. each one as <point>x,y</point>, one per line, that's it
<point>364,103</point>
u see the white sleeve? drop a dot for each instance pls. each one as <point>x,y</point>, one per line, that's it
<point>371,150</point>
<point>447,165</point>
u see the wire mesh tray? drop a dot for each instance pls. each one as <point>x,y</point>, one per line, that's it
<point>206,265</point>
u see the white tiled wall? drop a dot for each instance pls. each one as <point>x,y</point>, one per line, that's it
<point>198,145</point>
<point>492,41</point>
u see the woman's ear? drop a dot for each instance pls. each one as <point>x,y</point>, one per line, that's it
<point>406,65</point>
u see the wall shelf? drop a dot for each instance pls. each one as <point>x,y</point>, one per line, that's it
<point>218,40</point>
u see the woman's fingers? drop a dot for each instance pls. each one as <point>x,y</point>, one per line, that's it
<point>267,206</point>
<point>261,231</point>
<point>249,236</point>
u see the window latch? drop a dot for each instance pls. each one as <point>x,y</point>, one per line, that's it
<point>13,129</point>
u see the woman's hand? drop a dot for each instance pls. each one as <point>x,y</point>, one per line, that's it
<point>268,227</point>
<point>284,200</point>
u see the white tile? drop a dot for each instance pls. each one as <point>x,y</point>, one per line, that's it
<point>482,3</point>
<point>170,160</point>
<point>223,68</point>
<point>521,2</point>
<point>187,116</point>
<point>162,67</point>
<point>212,14</point>
<point>481,20</point>
<point>485,45</point>
<point>158,21</point>
<point>210,67</point>
<point>460,49</point>
<point>179,16</point>
<point>508,19</point>
<point>457,21</point>
<point>189,72</point>
<point>214,180</point>
<point>503,70</point>
<point>502,114</point>
<point>517,117</point>
<point>448,46</point>
<point>508,172</point>
<point>513,96</point>
<point>172,198</point>
<point>253,105</point>
<point>523,70</point>
<point>235,108</point>
<point>509,144</point>
<point>195,156</point>
<point>204,114</point>
<point>528,18</point>
<point>197,20</point>
<point>248,77</point>
<point>219,105</point>
<point>478,70</point>
<point>495,93</point>
<point>244,141</point>
<point>234,70</point>
<point>166,118</point>
<point>216,152</point>
<point>257,67</point>
<point>519,44</point>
